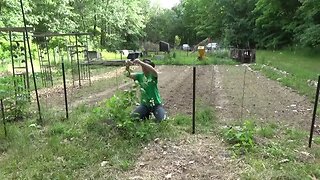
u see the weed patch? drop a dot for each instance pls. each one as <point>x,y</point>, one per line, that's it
<point>240,137</point>
<point>267,131</point>
<point>278,152</point>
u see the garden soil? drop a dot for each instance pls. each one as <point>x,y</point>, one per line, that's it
<point>236,93</point>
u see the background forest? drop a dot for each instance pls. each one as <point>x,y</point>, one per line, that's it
<point>124,24</point>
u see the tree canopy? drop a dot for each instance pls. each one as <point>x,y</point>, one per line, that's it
<point>115,23</point>
<point>268,24</point>
<point>120,24</point>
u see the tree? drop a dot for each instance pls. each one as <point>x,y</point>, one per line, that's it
<point>307,30</point>
<point>274,22</point>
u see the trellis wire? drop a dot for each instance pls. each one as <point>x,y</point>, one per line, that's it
<point>243,90</point>
<point>211,83</point>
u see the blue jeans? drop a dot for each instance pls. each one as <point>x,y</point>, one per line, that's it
<point>144,112</point>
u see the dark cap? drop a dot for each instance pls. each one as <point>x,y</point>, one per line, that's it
<point>148,61</point>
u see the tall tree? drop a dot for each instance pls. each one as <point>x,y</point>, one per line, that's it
<point>307,30</point>
<point>274,22</point>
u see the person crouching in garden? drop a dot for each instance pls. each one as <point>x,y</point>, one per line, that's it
<point>150,96</point>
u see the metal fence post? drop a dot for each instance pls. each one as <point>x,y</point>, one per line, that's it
<point>194,101</point>
<point>314,112</point>
<point>3,117</point>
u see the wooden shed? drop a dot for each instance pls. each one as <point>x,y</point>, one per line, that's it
<point>243,55</point>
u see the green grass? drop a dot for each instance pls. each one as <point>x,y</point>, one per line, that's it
<point>74,148</point>
<point>301,69</point>
<point>191,58</point>
<point>111,55</point>
<point>283,157</point>
<point>279,152</point>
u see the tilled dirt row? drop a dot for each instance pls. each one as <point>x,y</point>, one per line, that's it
<point>244,94</point>
<point>236,95</point>
<point>191,156</point>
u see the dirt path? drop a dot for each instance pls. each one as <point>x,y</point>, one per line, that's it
<point>191,157</point>
<point>264,100</point>
<point>103,86</point>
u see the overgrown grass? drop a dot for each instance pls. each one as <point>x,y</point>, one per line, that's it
<point>274,151</point>
<point>191,58</point>
<point>297,70</point>
<point>92,143</point>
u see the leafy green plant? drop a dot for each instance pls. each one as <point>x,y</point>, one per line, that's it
<point>116,113</point>
<point>241,137</point>
<point>118,110</point>
<point>14,98</point>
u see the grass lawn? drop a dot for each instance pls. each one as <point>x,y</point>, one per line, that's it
<point>299,71</point>
<point>180,57</point>
<point>111,55</point>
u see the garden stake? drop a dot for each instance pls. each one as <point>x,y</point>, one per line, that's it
<point>65,88</point>
<point>314,112</point>
<point>211,83</point>
<point>78,62</point>
<point>31,62</point>
<point>194,101</point>
<point>4,119</point>
<point>89,74</point>
<point>26,64</point>
<point>243,88</point>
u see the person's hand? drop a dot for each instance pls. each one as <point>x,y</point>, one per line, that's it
<point>136,61</point>
<point>129,63</point>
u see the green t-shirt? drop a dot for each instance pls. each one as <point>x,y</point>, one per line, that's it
<point>150,95</point>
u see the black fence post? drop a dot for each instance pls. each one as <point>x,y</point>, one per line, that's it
<point>314,112</point>
<point>194,102</point>
<point>78,61</point>
<point>65,89</point>
<point>31,61</point>
<point>3,117</point>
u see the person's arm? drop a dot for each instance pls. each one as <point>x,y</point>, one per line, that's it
<point>146,68</point>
